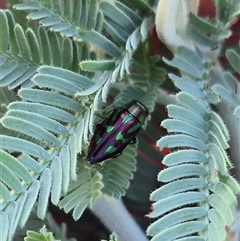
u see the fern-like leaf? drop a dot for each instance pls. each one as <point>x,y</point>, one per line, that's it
<point>230,90</point>
<point>23,51</point>
<point>42,235</point>
<point>64,17</point>
<point>118,172</point>
<point>145,67</point>
<point>122,43</point>
<point>60,125</point>
<point>83,192</point>
<point>15,42</point>
<point>198,161</point>
<point>38,172</point>
<point>112,237</point>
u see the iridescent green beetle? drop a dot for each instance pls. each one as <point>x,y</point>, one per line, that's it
<point>116,132</point>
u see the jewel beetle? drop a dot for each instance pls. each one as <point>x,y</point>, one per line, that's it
<point>116,132</point>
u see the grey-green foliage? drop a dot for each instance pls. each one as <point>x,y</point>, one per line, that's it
<point>55,115</point>
<point>45,170</point>
<point>126,30</point>
<point>112,237</point>
<point>22,52</point>
<point>85,20</point>
<point>64,16</point>
<point>52,119</point>
<point>149,70</point>
<point>195,202</point>
<point>197,181</point>
<point>42,235</point>
<point>210,34</point>
<point>42,170</point>
<point>230,91</point>
<point>45,235</point>
<point>46,229</point>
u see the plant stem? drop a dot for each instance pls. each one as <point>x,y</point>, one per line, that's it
<point>117,219</point>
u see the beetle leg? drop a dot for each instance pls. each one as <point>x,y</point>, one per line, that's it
<point>133,141</point>
<point>116,155</point>
<point>99,116</point>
